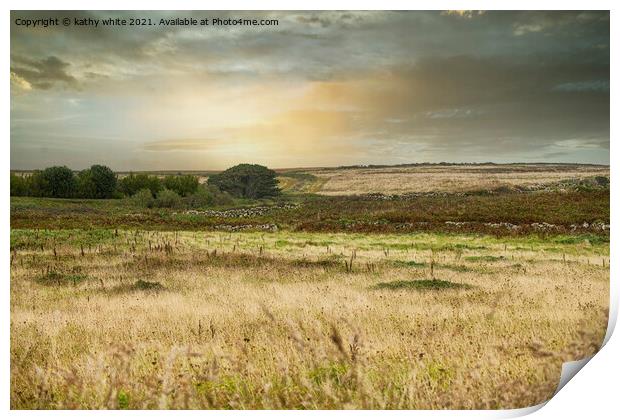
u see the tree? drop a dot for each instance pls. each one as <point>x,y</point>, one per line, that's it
<point>56,181</point>
<point>247,181</point>
<point>35,184</point>
<point>132,184</point>
<point>97,182</point>
<point>183,185</point>
<point>19,186</point>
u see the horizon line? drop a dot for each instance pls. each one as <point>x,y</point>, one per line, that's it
<point>355,166</point>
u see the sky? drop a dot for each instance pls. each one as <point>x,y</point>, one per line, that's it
<point>318,89</point>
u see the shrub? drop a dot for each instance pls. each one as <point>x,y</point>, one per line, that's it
<point>168,199</point>
<point>208,195</point>
<point>183,185</point>
<point>143,198</point>
<point>602,180</point>
<point>220,198</point>
<point>247,181</point>
<point>133,183</point>
<point>201,198</point>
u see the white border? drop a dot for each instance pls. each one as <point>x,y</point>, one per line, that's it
<point>593,393</point>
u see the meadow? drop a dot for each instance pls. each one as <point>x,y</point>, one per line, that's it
<point>308,301</point>
<point>443,178</point>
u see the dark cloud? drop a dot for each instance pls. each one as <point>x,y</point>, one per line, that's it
<point>498,84</point>
<point>43,73</point>
<point>584,86</point>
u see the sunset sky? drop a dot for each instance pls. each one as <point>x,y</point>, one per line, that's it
<point>319,89</point>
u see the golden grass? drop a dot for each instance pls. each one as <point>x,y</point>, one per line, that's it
<point>290,320</point>
<point>289,184</point>
<point>399,180</point>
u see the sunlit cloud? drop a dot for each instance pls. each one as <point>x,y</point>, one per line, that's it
<point>467,14</point>
<point>180,144</point>
<point>19,83</point>
<point>321,88</point>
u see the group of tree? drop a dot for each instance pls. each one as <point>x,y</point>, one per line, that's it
<point>98,181</point>
<point>183,185</point>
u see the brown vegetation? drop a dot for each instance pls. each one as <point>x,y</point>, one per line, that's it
<point>140,319</point>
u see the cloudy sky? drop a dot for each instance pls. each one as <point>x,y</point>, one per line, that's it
<point>319,89</point>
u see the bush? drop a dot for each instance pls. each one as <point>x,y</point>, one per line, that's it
<point>168,199</point>
<point>247,181</point>
<point>97,182</point>
<point>143,198</point>
<point>201,198</point>
<point>602,180</point>
<point>183,185</point>
<point>220,198</point>
<point>208,195</point>
<point>133,183</point>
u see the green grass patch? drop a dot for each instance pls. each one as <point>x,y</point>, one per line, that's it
<point>484,258</point>
<point>468,246</point>
<point>54,278</point>
<point>413,264</point>
<point>123,400</point>
<point>301,176</point>
<point>139,286</point>
<point>34,239</point>
<point>151,286</point>
<point>426,284</point>
<point>328,262</point>
<point>581,239</point>
<point>333,372</point>
<point>460,268</point>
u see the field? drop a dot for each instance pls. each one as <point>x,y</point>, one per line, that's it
<point>439,178</point>
<point>442,299</point>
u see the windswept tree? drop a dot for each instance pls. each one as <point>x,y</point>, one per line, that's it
<point>247,181</point>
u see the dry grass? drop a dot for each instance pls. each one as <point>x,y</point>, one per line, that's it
<point>298,320</point>
<point>400,180</point>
